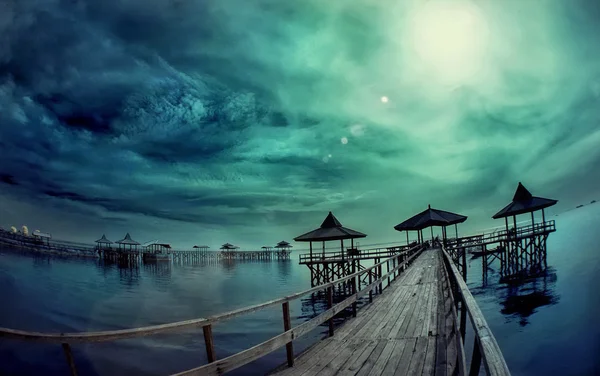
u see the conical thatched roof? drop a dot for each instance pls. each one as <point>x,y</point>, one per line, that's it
<point>228,246</point>
<point>127,240</point>
<point>331,229</point>
<point>524,202</point>
<point>103,240</point>
<point>430,217</point>
<point>283,244</point>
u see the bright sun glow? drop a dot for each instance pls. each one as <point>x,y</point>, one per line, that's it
<point>450,39</point>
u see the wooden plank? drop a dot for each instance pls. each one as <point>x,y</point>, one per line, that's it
<point>429,366</point>
<point>392,364</point>
<point>358,358</point>
<point>417,361</point>
<point>368,365</point>
<point>330,361</point>
<point>383,359</point>
<point>407,354</point>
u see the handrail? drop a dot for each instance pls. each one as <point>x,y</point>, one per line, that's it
<point>369,252</point>
<point>486,348</point>
<point>503,234</point>
<point>246,356</point>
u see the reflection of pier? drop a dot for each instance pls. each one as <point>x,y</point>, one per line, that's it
<point>521,251</point>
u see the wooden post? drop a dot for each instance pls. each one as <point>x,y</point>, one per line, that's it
<point>208,341</point>
<point>70,360</point>
<point>475,360</point>
<point>370,281</point>
<point>387,265</point>
<point>329,305</point>
<point>354,287</point>
<point>464,263</point>
<point>463,318</point>
<point>287,325</point>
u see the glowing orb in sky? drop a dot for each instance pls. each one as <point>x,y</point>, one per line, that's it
<point>384,99</point>
<point>450,38</point>
<point>344,140</point>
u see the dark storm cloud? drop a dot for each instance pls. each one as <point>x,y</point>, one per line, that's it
<point>237,112</point>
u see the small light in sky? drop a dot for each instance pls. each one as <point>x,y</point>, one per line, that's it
<point>344,140</point>
<point>384,99</point>
<point>329,156</point>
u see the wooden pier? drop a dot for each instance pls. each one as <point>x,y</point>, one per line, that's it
<point>415,325</point>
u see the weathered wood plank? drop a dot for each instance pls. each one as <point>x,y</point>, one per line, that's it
<point>383,359</point>
<point>418,359</point>
<point>392,363</point>
<point>429,366</point>
<point>407,354</point>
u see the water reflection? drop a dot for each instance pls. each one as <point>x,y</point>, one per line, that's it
<point>521,299</point>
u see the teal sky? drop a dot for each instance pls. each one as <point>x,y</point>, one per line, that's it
<point>247,121</point>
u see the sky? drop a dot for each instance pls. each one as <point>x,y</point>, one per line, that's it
<point>213,121</point>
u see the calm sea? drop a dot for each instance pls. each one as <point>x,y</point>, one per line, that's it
<point>549,326</point>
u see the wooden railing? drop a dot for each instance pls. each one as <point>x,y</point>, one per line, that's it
<point>485,348</point>
<point>503,235</point>
<point>218,367</point>
<point>354,254</point>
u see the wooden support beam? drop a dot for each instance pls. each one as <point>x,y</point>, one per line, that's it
<point>287,325</point>
<point>208,341</point>
<point>329,305</point>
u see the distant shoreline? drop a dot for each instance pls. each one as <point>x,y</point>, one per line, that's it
<point>15,245</point>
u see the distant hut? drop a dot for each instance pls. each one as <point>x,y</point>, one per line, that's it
<point>103,243</point>
<point>157,247</point>
<point>13,229</point>
<point>429,218</point>
<point>127,241</point>
<point>25,230</point>
<point>524,202</point>
<point>283,246</point>
<point>228,247</point>
<point>42,237</point>
<point>201,248</point>
<point>330,230</point>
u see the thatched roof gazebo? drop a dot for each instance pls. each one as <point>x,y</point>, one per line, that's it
<point>524,202</point>
<point>429,218</point>
<point>127,241</point>
<point>228,247</point>
<point>283,245</point>
<point>156,246</point>
<point>103,242</point>
<point>331,229</point>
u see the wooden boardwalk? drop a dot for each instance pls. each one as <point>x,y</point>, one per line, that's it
<point>409,330</point>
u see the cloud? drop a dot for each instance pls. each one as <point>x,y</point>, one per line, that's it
<point>225,114</point>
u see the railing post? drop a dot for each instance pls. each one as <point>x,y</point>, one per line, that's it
<point>379,277</point>
<point>387,266</point>
<point>463,317</point>
<point>329,305</point>
<point>70,360</point>
<point>464,264</point>
<point>208,341</point>
<point>353,287</point>
<point>371,287</point>
<point>476,359</point>
<point>287,325</point>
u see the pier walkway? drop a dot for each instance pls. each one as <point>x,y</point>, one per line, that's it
<point>408,331</point>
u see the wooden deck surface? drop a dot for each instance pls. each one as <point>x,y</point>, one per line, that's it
<point>408,330</point>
